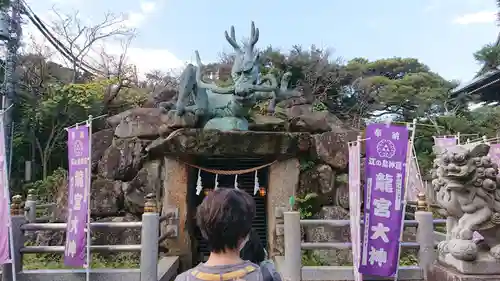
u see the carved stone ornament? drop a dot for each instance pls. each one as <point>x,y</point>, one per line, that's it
<point>466,183</point>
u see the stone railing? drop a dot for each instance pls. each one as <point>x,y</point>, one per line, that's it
<point>291,265</point>
<point>151,267</point>
<point>49,210</point>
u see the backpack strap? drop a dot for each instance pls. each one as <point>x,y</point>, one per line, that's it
<point>233,275</point>
<point>266,275</point>
<point>269,272</point>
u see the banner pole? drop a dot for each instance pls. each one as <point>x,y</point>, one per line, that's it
<point>414,151</point>
<point>86,121</point>
<point>407,169</point>
<point>89,259</point>
<point>358,218</point>
<point>9,169</point>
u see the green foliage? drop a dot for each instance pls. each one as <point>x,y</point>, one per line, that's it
<point>41,119</point>
<point>489,56</point>
<point>404,87</point>
<point>440,228</point>
<point>4,4</point>
<point>362,89</point>
<point>46,189</point>
<point>408,259</point>
<point>64,102</point>
<point>306,205</point>
<point>56,261</point>
<point>319,106</point>
<point>130,98</point>
<point>72,101</point>
<point>261,107</point>
<point>343,178</point>
<point>48,261</point>
<point>483,121</point>
<point>310,258</point>
<point>306,164</point>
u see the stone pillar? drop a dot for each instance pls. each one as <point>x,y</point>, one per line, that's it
<point>293,256</point>
<point>175,196</point>
<point>30,206</point>
<point>149,240</point>
<point>18,219</point>
<point>283,183</point>
<point>425,235</point>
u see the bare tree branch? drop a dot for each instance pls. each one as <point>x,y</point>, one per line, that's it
<point>116,67</point>
<point>80,38</point>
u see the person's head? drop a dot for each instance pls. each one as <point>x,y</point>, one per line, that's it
<point>225,219</point>
<point>253,250</point>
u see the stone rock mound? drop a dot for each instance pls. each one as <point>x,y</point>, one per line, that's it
<point>128,160</point>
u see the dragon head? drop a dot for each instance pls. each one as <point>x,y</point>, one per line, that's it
<point>245,69</point>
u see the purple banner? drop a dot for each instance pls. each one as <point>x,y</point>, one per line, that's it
<point>386,155</point>
<point>79,186</point>
<point>495,153</point>
<point>444,142</point>
<point>415,183</point>
<point>4,201</point>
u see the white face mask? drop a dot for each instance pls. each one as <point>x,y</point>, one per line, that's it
<point>243,243</point>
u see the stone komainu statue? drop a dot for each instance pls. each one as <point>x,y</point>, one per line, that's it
<point>467,186</point>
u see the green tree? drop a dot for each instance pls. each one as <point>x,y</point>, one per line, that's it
<point>361,89</point>
<point>403,87</point>
<point>488,56</point>
<point>47,115</point>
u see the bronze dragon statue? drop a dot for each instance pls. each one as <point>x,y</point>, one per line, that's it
<point>227,108</point>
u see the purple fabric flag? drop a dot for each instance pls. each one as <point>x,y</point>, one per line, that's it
<point>415,183</point>
<point>495,153</point>
<point>4,201</point>
<point>386,155</point>
<point>78,191</point>
<point>444,142</point>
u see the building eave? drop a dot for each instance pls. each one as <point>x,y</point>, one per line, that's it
<point>476,83</point>
<point>487,76</point>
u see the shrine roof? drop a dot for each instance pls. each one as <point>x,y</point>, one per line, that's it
<point>484,85</point>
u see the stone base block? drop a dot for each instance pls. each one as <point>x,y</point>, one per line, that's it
<point>227,124</point>
<point>484,264</point>
<point>439,272</point>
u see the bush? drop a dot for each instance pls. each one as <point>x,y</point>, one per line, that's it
<point>49,261</point>
<point>46,189</point>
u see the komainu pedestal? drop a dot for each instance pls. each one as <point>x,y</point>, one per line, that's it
<point>467,185</point>
<point>440,272</point>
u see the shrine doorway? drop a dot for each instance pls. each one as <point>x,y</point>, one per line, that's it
<point>225,177</point>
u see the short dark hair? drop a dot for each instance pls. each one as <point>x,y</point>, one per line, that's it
<point>253,250</point>
<point>225,217</point>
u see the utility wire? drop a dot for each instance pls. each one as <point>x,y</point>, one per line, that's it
<point>38,23</point>
<point>55,42</point>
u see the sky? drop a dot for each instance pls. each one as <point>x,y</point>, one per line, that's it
<point>443,34</point>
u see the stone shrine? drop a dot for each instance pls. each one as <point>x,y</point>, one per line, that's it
<point>466,183</point>
<point>212,136</point>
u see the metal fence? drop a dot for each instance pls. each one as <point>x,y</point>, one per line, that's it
<point>293,270</point>
<point>25,220</point>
